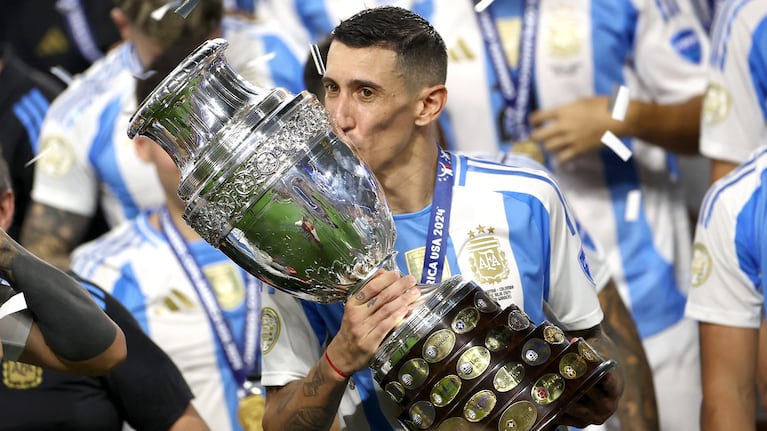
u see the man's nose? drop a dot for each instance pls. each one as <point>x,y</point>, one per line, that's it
<point>341,111</point>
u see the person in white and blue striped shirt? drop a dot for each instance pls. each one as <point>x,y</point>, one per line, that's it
<point>727,294</point>
<point>384,86</point>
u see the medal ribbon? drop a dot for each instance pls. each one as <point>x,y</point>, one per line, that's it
<point>243,362</point>
<point>515,91</point>
<point>439,222</point>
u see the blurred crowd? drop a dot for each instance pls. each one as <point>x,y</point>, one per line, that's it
<point>645,118</point>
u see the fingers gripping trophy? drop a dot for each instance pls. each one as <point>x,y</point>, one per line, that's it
<point>267,180</point>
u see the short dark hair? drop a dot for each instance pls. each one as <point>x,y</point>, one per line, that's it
<point>202,21</point>
<point>419,48</point>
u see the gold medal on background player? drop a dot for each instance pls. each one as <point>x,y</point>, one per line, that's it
<point>251,412</point>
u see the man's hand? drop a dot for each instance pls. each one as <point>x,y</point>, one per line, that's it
<point>573,129</point>
<point>597,404</point>
<point>369,316</point>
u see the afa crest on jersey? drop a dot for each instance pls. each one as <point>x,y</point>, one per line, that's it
<point>488,261</point>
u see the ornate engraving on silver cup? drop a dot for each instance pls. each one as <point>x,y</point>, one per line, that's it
<point>265,179</point>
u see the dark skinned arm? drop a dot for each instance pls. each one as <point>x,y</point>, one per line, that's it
<point>70,333</point>
<point>52,234</point>
<point>637,409</point>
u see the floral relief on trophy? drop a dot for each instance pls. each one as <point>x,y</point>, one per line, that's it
<point>271,149</point>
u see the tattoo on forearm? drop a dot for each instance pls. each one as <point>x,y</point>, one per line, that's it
<point>312,387</point>
<point>310,419</point>
<point>51,233</point>
<point>637,409</point>
<point>307,418</point>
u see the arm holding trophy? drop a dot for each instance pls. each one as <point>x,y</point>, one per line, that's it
<point>302,202</point>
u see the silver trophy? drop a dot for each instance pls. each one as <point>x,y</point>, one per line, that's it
<point>266,179</point>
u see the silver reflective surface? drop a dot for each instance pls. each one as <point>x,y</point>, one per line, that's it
<point>266,180</point>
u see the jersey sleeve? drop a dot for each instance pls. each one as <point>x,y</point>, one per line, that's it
<point>734,117</point>
<point>726,277</point>
<point>64,178</point>
<point>572,298</point>
<point>289,346</point>
<point>670,48</point>
<point>147,387</point>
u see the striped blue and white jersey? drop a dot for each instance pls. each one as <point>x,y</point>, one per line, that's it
<point>87,155</point>
<point>734,118</point>
<point>730,249</point>
<point>583,48</point>
<point>135,263</point>
<point>510,230</point>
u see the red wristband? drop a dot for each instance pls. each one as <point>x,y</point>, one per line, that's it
<point>339,372</point>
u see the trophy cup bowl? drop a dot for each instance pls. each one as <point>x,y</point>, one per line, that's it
<point>266,179</point>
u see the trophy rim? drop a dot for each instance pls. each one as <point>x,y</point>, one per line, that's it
<point>208,52</point>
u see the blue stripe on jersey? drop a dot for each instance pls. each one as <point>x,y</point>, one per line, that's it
<point>618,19</point>
<point>127,292</point>
<point>93,253</point>
<point>325,319</point>
<point>30,111</point>
<point>246,5</point>
<point>722,32</point>
<point>651,313</point>
<point>490,168</point>
<point>757,61</point>
<point>104,155</point>
<point>98,296</point>
<point>314,17</point>
<point>746,170</point>
<point>731,178</point>
<point>282,67</point>
<point>522,210</point>
<point>745,241</point>
<point>668,8</point>
<point>424,8</point>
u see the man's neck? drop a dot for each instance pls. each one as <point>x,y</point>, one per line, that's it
<point>409,186</point>
<point>176,215</point>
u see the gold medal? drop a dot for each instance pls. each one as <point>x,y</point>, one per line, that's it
<point>445,391</point>
<point>251,412</point>
<point>520,416</point>
<point>530,149</point>
<point>479,406</point>
<point>548,388</point>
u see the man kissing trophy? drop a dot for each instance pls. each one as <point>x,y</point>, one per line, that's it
<point>267,180</point>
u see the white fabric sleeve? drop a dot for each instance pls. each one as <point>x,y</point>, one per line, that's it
<point>289,346</point>
<point>722,290</point>
<point>732,122</point>
<point>670,51</point>
<point>64,178</point>
<point>572,295</point>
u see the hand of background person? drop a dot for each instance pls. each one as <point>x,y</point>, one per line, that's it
<point>369,316</point>
<point>597,404</point>
<point>573,129</point>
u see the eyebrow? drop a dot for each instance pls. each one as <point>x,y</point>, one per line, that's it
<point>354,82</point>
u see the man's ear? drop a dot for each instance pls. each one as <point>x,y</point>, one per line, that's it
<point>432,102</point>
<point>121,22</point>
